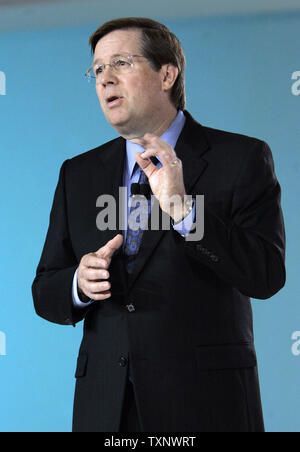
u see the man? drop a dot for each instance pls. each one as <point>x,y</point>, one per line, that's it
<point>168,336</point>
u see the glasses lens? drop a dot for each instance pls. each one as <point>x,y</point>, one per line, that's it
<point>122,64</point>
<point>90,76</point>
<point>119,64</point>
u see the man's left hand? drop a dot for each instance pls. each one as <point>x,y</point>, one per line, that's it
<point>166,181</point>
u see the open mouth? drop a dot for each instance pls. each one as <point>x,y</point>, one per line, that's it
<point>112,99</point>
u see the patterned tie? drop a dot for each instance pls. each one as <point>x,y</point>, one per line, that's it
<point>134,238</point>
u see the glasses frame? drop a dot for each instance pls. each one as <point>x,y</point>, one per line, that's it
<point>90,73</point>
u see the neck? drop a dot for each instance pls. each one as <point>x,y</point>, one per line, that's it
<point>157,128</point>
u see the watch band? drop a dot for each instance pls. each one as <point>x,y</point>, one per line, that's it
<point>188,207</point>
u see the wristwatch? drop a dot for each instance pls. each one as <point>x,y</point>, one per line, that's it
<point>188,207</point>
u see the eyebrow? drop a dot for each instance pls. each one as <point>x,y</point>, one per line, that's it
<point>98,60</point>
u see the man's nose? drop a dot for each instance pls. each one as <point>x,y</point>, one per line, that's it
<point>108,76</point>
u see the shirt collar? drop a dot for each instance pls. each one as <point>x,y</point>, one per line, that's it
<point>170,136</point>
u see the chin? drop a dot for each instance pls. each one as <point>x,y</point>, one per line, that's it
<point>116,119</point>
<point>124,123</point>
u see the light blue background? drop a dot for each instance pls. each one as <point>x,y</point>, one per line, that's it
<point>239,79</point>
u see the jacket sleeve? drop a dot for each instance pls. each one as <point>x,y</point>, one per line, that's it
<point>247,248</point>
<point>52,286</point>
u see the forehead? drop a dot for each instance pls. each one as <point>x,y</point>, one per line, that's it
<point>118,42</point>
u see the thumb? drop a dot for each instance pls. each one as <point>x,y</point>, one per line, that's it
<point>110,247</point>
<point>145,164</point>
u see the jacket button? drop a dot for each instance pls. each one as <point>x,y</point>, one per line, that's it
<point>123,361</point>
<point>215,259</point>
<point>130,307</point>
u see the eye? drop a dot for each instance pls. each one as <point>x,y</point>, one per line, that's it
<point>119,63</point>
<point>98,70</point>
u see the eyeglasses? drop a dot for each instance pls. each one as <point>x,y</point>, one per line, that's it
<point>120,63</point>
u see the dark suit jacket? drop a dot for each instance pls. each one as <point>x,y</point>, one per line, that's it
<point>189,340</point>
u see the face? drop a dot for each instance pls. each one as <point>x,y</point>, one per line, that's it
<point>139,92</point>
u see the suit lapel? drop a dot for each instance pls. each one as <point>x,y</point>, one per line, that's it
<point>190,148</point>
<point>107,177</point>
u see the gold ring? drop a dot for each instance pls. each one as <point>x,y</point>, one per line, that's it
<point>175,162</point>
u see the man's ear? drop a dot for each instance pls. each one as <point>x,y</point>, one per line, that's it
<point>169,75</point>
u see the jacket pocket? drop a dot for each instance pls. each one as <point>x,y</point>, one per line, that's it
<point>81,366</point>
<point>223,357</point>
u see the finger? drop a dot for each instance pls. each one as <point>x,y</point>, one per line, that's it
<point>95,275</point>
<point>159,147</point>
<point>95,291</point>
<point>98,287</point>
<point>145,164</point>
<point>166,159</point>
<point>94,261</point>
<point>101,297</point>
<point>111,246</point>
<point>98,297</point>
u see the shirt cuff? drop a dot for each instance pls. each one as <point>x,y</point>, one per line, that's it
<point>76,300</point>
<point>185,226</point>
